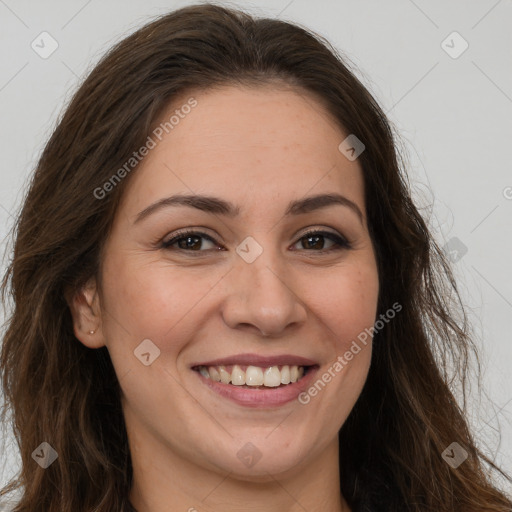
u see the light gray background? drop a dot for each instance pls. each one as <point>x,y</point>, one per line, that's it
<point>454,116</point>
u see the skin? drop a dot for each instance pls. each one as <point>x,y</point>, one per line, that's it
<point>259,148</point>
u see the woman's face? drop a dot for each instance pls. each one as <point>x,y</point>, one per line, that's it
<point>249,291</point>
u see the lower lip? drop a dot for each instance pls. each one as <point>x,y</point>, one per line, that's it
<point>261,398</point>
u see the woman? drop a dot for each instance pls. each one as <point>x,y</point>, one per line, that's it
<point>182,337</point>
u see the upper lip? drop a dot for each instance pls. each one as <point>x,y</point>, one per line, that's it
<point>259,360</point>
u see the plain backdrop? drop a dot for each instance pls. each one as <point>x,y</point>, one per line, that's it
<point>449,95</point>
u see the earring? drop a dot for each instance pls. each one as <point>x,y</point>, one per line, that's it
<point>92,332</point>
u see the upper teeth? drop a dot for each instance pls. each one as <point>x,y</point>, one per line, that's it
<point>271,376</point>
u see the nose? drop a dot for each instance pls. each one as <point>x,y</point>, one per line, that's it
<point>261,298</point>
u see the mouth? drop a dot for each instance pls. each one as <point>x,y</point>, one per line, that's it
<point>254,377</point>
<point>256,381</point>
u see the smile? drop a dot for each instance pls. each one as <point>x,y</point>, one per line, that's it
<point>253,376</point>
<point>256,381</point>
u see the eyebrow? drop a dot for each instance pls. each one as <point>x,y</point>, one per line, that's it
<point>219,206</point>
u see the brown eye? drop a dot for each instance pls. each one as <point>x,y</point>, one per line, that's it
<point>315,240</point>
<point>188,241</point>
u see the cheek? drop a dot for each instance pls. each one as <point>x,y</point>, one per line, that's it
<point>147,297</point>
<point>346,303</point>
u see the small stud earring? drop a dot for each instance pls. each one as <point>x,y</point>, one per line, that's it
<point>92,332</point>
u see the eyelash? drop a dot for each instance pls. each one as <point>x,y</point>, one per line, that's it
<point>340,242</point>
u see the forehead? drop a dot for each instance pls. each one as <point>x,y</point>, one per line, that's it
<point>246,142</point>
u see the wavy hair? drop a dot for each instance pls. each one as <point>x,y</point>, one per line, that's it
<point>68,395</point>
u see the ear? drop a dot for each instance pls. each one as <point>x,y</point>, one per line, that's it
<point>86,312</point>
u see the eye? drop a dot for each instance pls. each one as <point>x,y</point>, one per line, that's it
<point>188,240</point>
<point>314,239</point>
<point>191,241</point>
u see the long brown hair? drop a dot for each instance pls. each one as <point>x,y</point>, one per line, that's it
<point>65,394</point>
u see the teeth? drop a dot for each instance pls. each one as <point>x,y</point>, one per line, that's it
<point>254,376</point>
<point>270,377</point>
<point>214,374</point>
<point>285,374</point>
<point>225,377</point>
<point>237,376</point>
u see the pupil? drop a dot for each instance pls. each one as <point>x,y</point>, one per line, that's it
<point>187,240</point>
<point>313,237</point>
